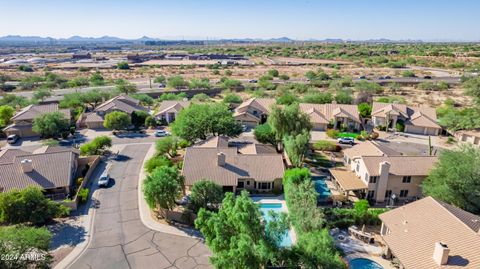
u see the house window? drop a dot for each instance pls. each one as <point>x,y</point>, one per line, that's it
<point>407,179</point>
<point>403,193</point>
<point>248,182</point>
<point>241,185</point>
<point>373,179</point>
<point>388,194</point>
<point>358,167</point>
<point>370,195</point>
<point>255,112</point>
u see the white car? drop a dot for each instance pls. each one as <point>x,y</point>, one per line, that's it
<point>161,133</point>
<point>104,180</point>
<point>346,140</point>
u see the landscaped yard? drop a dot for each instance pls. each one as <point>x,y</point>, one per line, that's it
<point>347,134</point>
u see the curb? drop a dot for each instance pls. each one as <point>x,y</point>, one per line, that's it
<point>144,210</point>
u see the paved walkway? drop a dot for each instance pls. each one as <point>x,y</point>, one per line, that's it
<point>119,238</point>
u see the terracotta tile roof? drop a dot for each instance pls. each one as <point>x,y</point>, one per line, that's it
<point>369,148</point>
<point>416,227</point>
<point>32,111</point>
<point>214,142</point>
<point>50,170</point>
<point>262,104</point>
<point>93,117</point>
<point>400,165</point>
<point>172,105</point>
<point>7,155</point>
<point>123,103</point>
<point>201,162</point>
<point>415,115</point>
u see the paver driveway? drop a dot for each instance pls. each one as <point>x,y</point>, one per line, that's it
<point>119,238</point>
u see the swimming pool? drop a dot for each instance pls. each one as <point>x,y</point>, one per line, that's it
<point>322,188</point>
<point>276,207</point>
<point>362,263</point>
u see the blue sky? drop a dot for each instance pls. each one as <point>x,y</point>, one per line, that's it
<point>190,19</point>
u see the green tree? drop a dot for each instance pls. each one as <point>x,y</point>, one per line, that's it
<point>160,79</point>
<point>97,79</point>
<point>176,82</point>
<point>234,234</point>
<point>97,146</point>
<point>200,97</point>
<point>16,241</point>
<point>117,120</point>
<point>472,88</point>
<point>273,72</point>
<point>41,94</point>
<point>150,122</point>
<point>145,100</point>
<point>156,161</point>
<point>408,74</point>
<point>167,145</point>
<point>296,147</point>
<point>206,194</point>
<point>6,113</point>
<point>365,110</point>
<point>123,66</point>
<point>139,117</point>
<point>94,97</point>
<point>29,206</point>
<point>455,179</point>
<point>232,98</point>
<point>344,97</point>
<point>51,124</point>
<point>162,187</point>
<point>316,97</point>
<point>14,100</point>
<point>198,121</point>
<point>203,83</point>
<point>264,134</point>
<point>125,87</point>
<point>229,84</point>
<point>288,121</point>
<point>317,250</point>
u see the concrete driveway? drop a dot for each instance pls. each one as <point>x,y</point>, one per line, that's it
<point>120,240</point>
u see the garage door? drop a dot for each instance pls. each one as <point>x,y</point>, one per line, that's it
<point>319,127</point>
<point>414,129</point>
<point>432,131</point>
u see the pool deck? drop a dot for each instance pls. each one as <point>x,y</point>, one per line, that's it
<point>276,200</point>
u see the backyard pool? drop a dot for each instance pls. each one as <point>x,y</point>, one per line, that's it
<point>322,188</point>
<point>265,208</point>
<point>362,263</point>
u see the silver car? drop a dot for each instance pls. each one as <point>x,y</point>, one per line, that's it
<point>104,180</point>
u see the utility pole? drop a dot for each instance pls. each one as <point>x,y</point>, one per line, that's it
<point>430,145</point>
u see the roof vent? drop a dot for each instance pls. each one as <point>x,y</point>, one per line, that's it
<point>27,165</point>
<point>440,253</point>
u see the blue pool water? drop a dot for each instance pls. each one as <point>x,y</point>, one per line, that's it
<point>264,209</point>
<point>364,264</point>
<point>321,188</point>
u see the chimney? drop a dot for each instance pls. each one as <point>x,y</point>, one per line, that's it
<point>221,159</point>
<point>440,254</point>
<point>384,169</point>
<point>27,165</point>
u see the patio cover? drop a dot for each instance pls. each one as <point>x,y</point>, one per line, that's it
<point>347,180</point>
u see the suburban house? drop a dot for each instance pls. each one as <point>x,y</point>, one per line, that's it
<point>123,103</point>
<point>382,175</point>
<point>23,120</point>
<point>53,169</point>
<point>255,111</point>
<point>417,120</point>
<point>468,136</point>
<point>247,167</point>
<point>169,110</point>
<point>432,234</point>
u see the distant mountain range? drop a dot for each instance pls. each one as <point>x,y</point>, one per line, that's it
<point>17,39</point>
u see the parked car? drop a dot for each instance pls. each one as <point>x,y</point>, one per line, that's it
<point>362,77</point>
<point>252,81</point>
<point>388,77</point>
<point>184,201</point>
<point>104,179</point>
<point>162,85</point>
<point>244,127</point>
<point>346,140</point>
<point>161,133</point>
<point>12,139</point>
<point>381,78</point>
<point>427,77</point>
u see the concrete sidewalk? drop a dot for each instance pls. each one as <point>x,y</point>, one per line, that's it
<point>145,212</point>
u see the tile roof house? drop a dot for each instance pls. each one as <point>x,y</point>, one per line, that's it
<point>417,120</point>
<point>23,120</point>
<point>50,168</point>
<point>258,171</point>
<point>255,111</point>
<point>468,136</point>
<point>123,103</point>
<point>382,175</point>
<point>169,110</point>
<point>432,234</point>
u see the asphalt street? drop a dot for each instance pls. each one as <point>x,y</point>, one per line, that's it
<point>120,240</point>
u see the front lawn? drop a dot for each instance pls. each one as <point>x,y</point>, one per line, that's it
<point>347,134</point>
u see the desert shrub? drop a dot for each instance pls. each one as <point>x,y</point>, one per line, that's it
<point>325,145</point>
<point>83,195</point>
<point>332,133</point>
